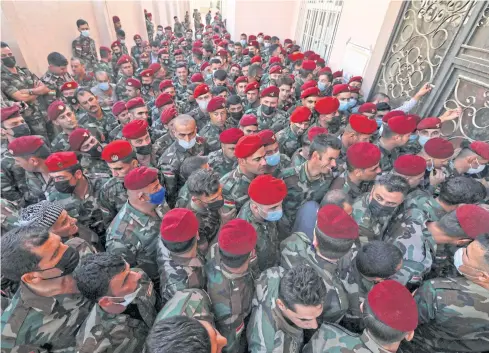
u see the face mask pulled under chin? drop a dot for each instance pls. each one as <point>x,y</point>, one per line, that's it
<point>66,264</point>
<point>128,298</point>
<point>478,169</point>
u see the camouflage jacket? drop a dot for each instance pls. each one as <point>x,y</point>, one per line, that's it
<point>92,165</point>
<point>298,82</point>
<point>344,183</point>
<point>191,302</point>
<point>134,235</point>
<point>60,142</point>
<point>388,157</point>
<point>268,330</point>
<point>54,82</point>
<point>87,80</point>
<point>9,215</point>
<point>37,187</point>
<point>301,189</point>
<point>276,122</point>
<point>335,338</point>
<point>209,224</point>
<point>231,296</point>
<point>120,87</point>
<point>177,272</point>
<point>103,332</point>
<point>453,316</point>
<point>286,104</point>
<point>150,29</point>
<point>84,48</point>
<point>106,67</point>
<point>136,52</point>
<point>33,323</point>
<point>267,243</point>
<point>298,249</point>
<point>105,125</point>
<point>211,133</point>
<point>297,158</point>
<point>12,177</point>
<point>181,89</point>
<point>113,196</point>
<point>178,28</point>
<point>200,117</point>
<point>235,189</point>
<point>82,247</point>
<point>220,163</point>
<point>288,141</point>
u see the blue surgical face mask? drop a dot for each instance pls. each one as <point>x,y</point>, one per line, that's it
<point>379,122</point>
<point>430,166</point>
<point>274,216</point>
<point>198,36</point>
<point>243,42</point>
<point>157,198</point>
<point>85,33</point>
<point>104,86</point>
<point>479,169</point>
<point>423,139</point>
<point>208,76</point>
<point>413,137</point>
<point>352,102</point>
<point>343,106</point>
<point>322,86</point>
<point>273,159</point>
<point>187,145</point>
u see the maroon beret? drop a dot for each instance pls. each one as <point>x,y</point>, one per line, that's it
<point>327,105</point>
<point>481,148</point>
<point>124,59</point>
<point>439,148</point>
<point>179,225</point>
<point>165,84</point>
<point>474,220</point>
<point>314,131</point>
<point>247,145</point>
<point>12,112</point>
<point>256,59</point>
<point>392,114</point>
<point>402,125</point>
<point>25,145</point>
<point>237,237</point>
<point>55,109</point>
<point>362,124</point>
<point>155,67</point>
<point>59,161</point>
<point>267,190</point>
<point>132,82</point>
<point>197,78</point>
<point>252,86</point>
<point>135,129</point>
<point>429,123</point>
<point>334,222</point>
<point>308,65</point>
<point>231,136</point>
<point>301,114</point>
<point>324,70</point>
<point>271,91</point>
<point>241,79</point>
<point>338,74</point>
<point>367,108</point>
<point>78,137</point>
<point>309,84</point>
<point>267,137</point>
<point>118,107</point>
<point>68,85</point>
<point>135,103</point>
<point>310,92</point>
<point>140,177</point>
<point>116,19</point>
<point>216,103</point>
<point>274,59</point>
<point>116,150</point>
<point>363,155</point>
<point>341,88</point>
<point>201,90</point>
<point>247,120</point>
<point>410,165</point>
<point>163,99</point>
<point>277,69</point>
<point>356,79</point>
<point>147,73</point>
<point>204,66</point>
<point>168,114</point>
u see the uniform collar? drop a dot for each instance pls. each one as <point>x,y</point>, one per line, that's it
<point>284,325</point>
<point>370,343</point>
<point>44,304</point>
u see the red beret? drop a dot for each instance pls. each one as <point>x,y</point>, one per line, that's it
<point>236,66</point>
<point>416,117</point>
<point>140,177</point>
<point>253,43</point>
<point>362,124</point>
<point>201,90</point>
<point>155,67</point>
<point>392,114</point>
<point>275,70</point>
<point>321,61</point>
<point>216,103</point>
<point>247,120</point>
<point>163,51</point>
<point>402,124</point>
<point>354,89</point>
<point>135,129</point>
<point>116,150</point>
<point>287,41</point>
<point>363,155</point>
<point>165,84</point>
<point>308,53</point>
<point>146,73</point>
<point>133,82</point>
<point>168,28</point>
<point>393,305</point>
<point>356,79</point>
<point>474,220</point>
<point>256,59</point>
<point>104,48</point>
<point>252,86</point>
<point>296,57</point>
<point>481,148</point>
<point>135,103</point>
<point>429,123</point>
<point>60,161</point>
<point>338,74</point>
<point>163,99</point>
<point>368,108</point>
<point>308,65</point>
<point>341,88</point>
<point>25,145</point>
<point>246,52</point>
<point>124,59</point>
<point>252,37</point>
<point>168,114</point>
<point>118,107</point>
<point>179,225</point>
<point>324,70</point>
<point>231,136</point>
<point>78,137</point>
<point>198,44</point>
<point>267,137</point>
<point>314,131</point>
<point>241,79</point>
<point>410,165</point>
<point>267,190</point>
<point>222,52</point>
<point>204,66</point>
<point>196,50</point>
<point>267,37</point>
<point>438,148</point>
<point>327,105</point>
<point>197,78</point>
<point>310,92</point>
<point>69,85</point>
<point>301,114</point>
<point>270,91</point>
<point>334,222</point>
<point>247,145</point>
<point>274,59</point>
<point>116,19</point>
<point>178,52</point>
<point>309,84</point>
<point>237,237</point>
<point>13,112</point>
<point>55,109</point>
<point>115,44</point>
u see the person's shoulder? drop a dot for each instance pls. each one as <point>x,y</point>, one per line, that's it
<point>290,172</point>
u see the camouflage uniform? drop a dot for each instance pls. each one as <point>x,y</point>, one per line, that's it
<point>150,29</point>
<point>178,29</point>
<point>220,163</point>
<point>301,189</point>
<point>344,183</point>
<point>194,303</point>
<point>335,338</point>
<point>177,272</point>
<point>92,165</point>
<point>231,296</point>
<point>278,121</point>
<point>211,133</point>
<point>171,160</point>
<point>87,81</point>
<point>453,317</point>
<point>9,215</point>
<point>120,87</point>
<point>288,141</point>
<point>136,52</point>
<point>268,330</point>
<point>105,125</point>
<point>209,225</point>
<point>285,105</point>
<point>37,187</point>
<point>267,243</point>
<point>298,249</point>
<point>276,171</point>
<point>134,235</point>
<point>84,48</point>
<point>200,117</point>
<point>54,83</point>
<point>60,143</point>
<point>299,81</point>
<point>181,89</point>
<point>113,196</point>
<point>33,323</point>
<point>106,67</point>
<point>235,189</point>
<point>24,79</point>
<point>12,177</point>
<point>297,159</point>
<point>388,158</point>
<point>103,332</point>
<point>85,242</point>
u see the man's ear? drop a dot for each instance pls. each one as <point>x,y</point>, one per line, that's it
<point>409,336</point>
<point>30,278</point>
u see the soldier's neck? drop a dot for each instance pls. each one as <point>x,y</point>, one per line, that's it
<point>354,179</point>
<point>43,169</point>
<point>446,208</point>
<point>144,207</point>
<point>55,286</point>
<point>81,188</point>
<point>311,173</point>
<point>386,144</point>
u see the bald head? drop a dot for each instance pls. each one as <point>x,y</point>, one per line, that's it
<point>183,120</point>
<point>185,127</point>
<point>102,76</point>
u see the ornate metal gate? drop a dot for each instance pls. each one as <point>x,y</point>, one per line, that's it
<point>445,43</point>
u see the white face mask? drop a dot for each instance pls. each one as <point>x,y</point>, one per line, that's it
<point>203,105</point>
<point>423,139</point>
<point>159,33</point>
<point>128,298</point>
<point>85,33</point>
<point>187,145</point>
<point>479,169</point>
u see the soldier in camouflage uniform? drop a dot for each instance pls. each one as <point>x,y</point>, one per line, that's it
<point>9,215</point>
<point>121,114</point>
<point>311,180</point>
<point>223,160</point>
<point>305,74</point>
<point>89,152</point>
<point>83,47</point>
<point>38,322</point>
<point>269,117</point>
<point>181,81</point>
<point>106,279</point>
<point>289,138</point>
<point>213,129</point>
<point>105,63</point>
<point>63,117</point>
<point>56,76</point>
<point>125,66</point>
<point>179,263</point>
<point>276,161</point>
<point>84,78</point>
<point>192,302</point>
<point>133,233</point>
<point>384,299</point>
<point>230,282</point>
<point>202,96</point>
<point>276,324</point>
<point>137,49</point>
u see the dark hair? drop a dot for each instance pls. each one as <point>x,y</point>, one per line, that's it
<point>57,59</point>
<point>336,197</point>
<point>328,74</point>
<point>215,61</point>
<point>285,80</point>
<point>209,48</point>
<point>383,106</point>
<point>17,258</point>
<point>94,273</point>
<point>450,226</point>
<point>237,44</point>
<point>104,53</point>
<point>322,142</point>
<point>381,332</point>
<point>199,56</point>
<point>4,45</point>
<point>191,164</point>
<point>220,75</point>
<point>155,43</point>
<point>301,285</point>
<point>216,90</point>
<point>393,183</point>
<point>120,33</point>
<point>181,64</point>
<point>178,334</point>
<point>83,90</point>
<point>203,182</point>
<point>156,85</point>
<point>81,22</point>
<point>461,189</point>
<point>254,69</point>
<point>483,241</point>
<point>330,247</point>
<point>275,38</point>
<point>245,62</point>
<point>303,73</point>
<point>272,48</point>
<point>233,100</point>
<point>387,132</point>
<point>378,259</point>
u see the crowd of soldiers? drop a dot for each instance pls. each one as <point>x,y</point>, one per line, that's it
<point>198,194</point>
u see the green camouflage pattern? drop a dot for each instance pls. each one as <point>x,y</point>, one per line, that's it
<point>113,196</point>
<point>288,141</point>
<point>162,143</point>
<point>343,182</point>
<point>387,158</point>
<point>120,87</point>
<point>211,133</point>
<point>82,247</point>
<point>37,187</point>
<point>181,90</point>
<point>135,53</point>
<point>297,159</point>
<point>235,189</point>
<point>13,183</point>
<point>105,125</point>
<point>92,165</point>
<point>106,67</point>
<point>276,122</point>
<point>192,302</point>
<point>9,214</point>
<point>60,142</point>
<point>220,163</point>
<point>150,29</point>
<point>54,83</point>
<point>84,48</point>
<point>200,117</point>
<point>209,224</point>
